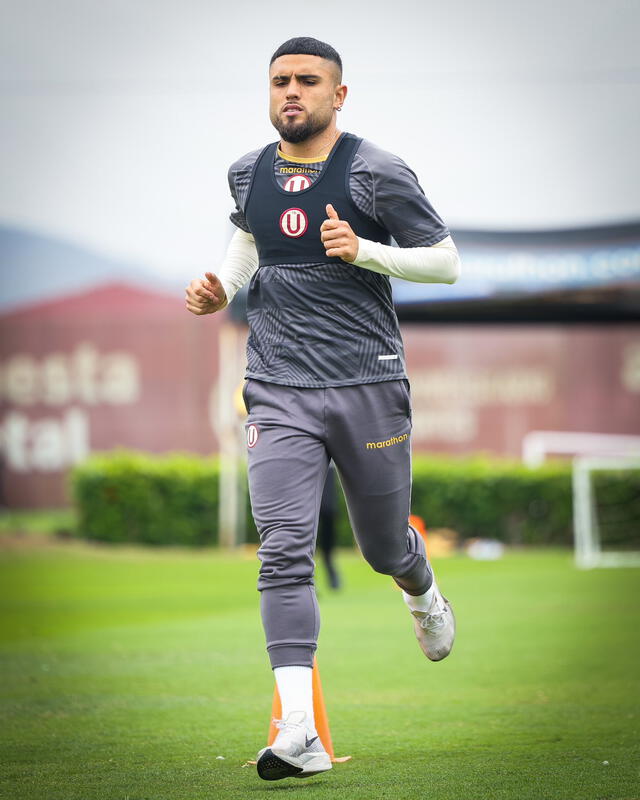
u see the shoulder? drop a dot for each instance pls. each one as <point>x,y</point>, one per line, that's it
<point>380,163</point>
<point>395,197</point>
<point>244,164</point>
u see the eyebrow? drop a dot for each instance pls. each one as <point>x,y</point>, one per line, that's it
<point>302,75</point>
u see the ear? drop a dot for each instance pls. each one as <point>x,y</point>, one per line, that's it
<point>340,95</point>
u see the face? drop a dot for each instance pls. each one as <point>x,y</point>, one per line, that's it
<point>304,93</point>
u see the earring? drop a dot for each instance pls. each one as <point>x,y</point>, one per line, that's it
<point>338,108</point>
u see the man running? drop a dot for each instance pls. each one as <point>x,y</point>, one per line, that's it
<point>315,215</point>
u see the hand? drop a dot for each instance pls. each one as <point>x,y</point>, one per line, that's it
<point>205,297</point>
<point>338,237</point>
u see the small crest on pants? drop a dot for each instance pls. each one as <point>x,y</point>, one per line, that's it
<point>252,435</point>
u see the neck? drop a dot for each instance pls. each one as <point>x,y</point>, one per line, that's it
<point>319,144</point>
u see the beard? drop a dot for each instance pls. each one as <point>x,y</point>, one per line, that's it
<point>294,132</point>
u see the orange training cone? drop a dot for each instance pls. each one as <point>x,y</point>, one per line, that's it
<point>418,523</point>
<point>319,712</point>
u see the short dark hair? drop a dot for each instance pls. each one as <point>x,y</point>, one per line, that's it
<point>306,45</point>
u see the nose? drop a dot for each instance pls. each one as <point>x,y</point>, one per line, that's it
<point>293,89</point>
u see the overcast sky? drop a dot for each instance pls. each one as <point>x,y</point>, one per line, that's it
<point>119,118</point>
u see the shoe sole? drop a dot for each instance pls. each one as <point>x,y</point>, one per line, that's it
<point>272,767</point>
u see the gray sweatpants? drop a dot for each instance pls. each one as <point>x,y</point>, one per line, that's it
<point>292,434</point>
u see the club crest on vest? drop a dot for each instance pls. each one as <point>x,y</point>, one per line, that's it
<point>296,183</point>
<point>293,222</point>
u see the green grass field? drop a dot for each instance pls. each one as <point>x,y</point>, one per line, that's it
<point>127,672</point>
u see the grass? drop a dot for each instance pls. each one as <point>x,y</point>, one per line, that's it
<point>127,672</point>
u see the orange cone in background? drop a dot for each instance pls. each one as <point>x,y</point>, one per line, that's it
<point>418,523</point>
<point>319,712</point>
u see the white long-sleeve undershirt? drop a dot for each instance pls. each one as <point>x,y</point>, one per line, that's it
<point>439,263</point>
<point>239,264</point>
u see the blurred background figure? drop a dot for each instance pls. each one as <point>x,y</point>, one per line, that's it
<point>327,527</point>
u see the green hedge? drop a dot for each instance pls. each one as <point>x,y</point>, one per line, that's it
<point>131,497</point>
<point>496,499</point>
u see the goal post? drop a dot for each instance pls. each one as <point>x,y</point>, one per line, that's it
<point>589,551</point>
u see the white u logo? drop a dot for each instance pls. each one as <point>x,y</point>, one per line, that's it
<point>252,435</point>
<point>293,222</point>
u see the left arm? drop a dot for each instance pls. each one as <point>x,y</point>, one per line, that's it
<point>384,188</point>
<point>438,263</point>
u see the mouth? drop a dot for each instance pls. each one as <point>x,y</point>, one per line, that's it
<point>291,109</point>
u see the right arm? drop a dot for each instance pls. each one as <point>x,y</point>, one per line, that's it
<point>217,291</point>
<point>241,259</point>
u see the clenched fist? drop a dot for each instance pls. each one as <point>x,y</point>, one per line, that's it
<point>338,236</point>
<point>205,297</point>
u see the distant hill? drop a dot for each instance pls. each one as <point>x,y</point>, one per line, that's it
<point>35,267</point>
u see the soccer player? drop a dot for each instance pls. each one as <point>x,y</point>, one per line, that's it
<point>315,215</point>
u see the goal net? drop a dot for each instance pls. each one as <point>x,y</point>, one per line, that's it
<point>606,511</point>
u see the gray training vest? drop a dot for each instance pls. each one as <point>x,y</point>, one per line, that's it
<point>314,320</point>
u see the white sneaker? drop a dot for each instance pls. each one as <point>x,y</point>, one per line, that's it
<point>435,629</point>
<point>293,753</point>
